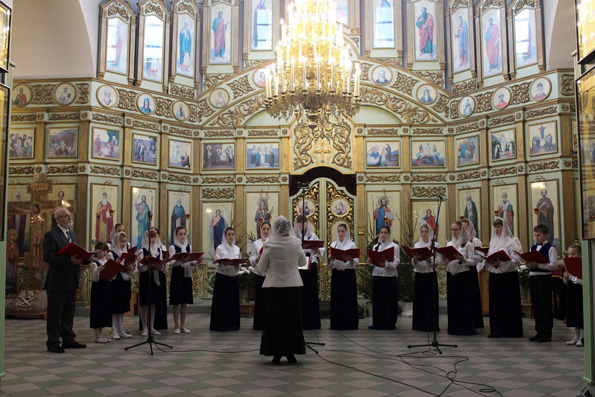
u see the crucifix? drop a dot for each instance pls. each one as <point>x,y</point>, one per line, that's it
<point>322,149</point>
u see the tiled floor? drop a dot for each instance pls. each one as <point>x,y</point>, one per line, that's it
<point>353,363</point>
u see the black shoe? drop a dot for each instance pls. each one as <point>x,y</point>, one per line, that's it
<point>276,359</point>
<point>73,345</point>
<point>55,349</point>
<point>291,359</point>
<point>535,338</point>
<point>544,339</point>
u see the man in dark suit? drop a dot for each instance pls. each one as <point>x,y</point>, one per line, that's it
<point>61,284</point>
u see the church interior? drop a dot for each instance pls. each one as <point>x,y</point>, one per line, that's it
<point>208,114</point>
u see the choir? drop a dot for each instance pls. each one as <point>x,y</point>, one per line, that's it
<point>276,287</point>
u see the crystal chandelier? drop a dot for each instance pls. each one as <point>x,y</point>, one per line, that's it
<point>313,73</point>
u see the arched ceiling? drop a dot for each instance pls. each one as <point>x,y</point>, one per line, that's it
<point>55,38</point>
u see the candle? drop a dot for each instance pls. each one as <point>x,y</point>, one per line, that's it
<point>304,75</point>
<point>276,83</point>
<point>318,74</point>
<point>292,74</point>
<point>333,76</point>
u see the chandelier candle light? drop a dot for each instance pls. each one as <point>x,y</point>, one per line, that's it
<point>313,72</point>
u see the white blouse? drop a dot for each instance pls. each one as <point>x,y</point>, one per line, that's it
<point>256,246</point>
<point>340,265</point>
<point>227,253</point>
<point>390,269</point>
<point>187,266</point>
<point>94,269</point>
<point>454,267</point>
<point>510,266</point>
<point>423,266</point>
<point>279,262</point>
<point>318,252</point>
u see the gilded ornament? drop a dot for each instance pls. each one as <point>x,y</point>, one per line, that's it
<point>428,178</point>
<point>43,94</point>
<point>83,89</point>
<point>240,179</point>
<point>520,93</point>
<point>465,87</point>
<point>454,109</point>
<point>403,109</point>
<point>105,170</point>
<point>214,79</point>
<point>382,131</point>
<point>430,191</point>
<point>153,175</point>
<point>156,8</point>
<point>240,87</point>
<point>202,110</point>
<point>219,134</point>
<point>541,112</point>
<point>82,169</point>
<point>567,83</point>
<point>22,118</point>
<point>501,120</point>
<point>451,177</point>
<point>483,102</point>
<point>567,163</point>
<point>360,178</point>
<point>548,165</point>
<point>127,99</point>
<point>365,70</point>
<point>64,116</point>
<point>218,193</point>
<point>179,131</point>
<point>179,178</point>
<point>426,131</point>
<point>467,127</point>
<point>504,171</point>
<point>163,107</point>
<point>237,115</point>
<point>119,8</point>
<point>465,176</point>
<point>436,77</point>
<point>217,179</point>
<point>20,170</point>
<point>248,63</point>
<point>62,169</point>
<point>188,7</point>
<point>404,83</point>
<point>383,178</point>
<point>262,132</point>
<point>284,179</point>
<point>441,105</point>
<point>406,178</point>
<point>145,125</point>
<point>182,91</point>
<point>333,194</point>
<point>521,168</point>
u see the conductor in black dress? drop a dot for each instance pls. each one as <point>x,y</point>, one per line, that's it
<point>61,284</point>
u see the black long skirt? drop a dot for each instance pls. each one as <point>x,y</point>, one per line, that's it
<point>180,287</point>
<point>311,311</point>
<point>258,303</point>
<point>344,312</point>
<point>282,332</point>
<point>385,304</point>
<point>101,315</point>
<point>574,305</point>
<point>425,302</point>
<point>225,310</point>
<point>143,289</point>
<point>161,303</point>
<point>157,298</point>
<point>505,306</point>
<point>461,319</point>
<point>120,294</point>
<point>476,296</point>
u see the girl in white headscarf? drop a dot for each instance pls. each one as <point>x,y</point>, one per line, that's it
<point>151,246</point>
<point>461,320</point>
<point>180,284</point>
<point>344,309</point>
<point>282,330</point>
<point>225,309</point>
<point>120,287</point>
<point>311,312</point>
<point>384,287</point>
<point>255,253</point>
<point>469,228</point>
<point>505,293</point>
<point>425,291</point>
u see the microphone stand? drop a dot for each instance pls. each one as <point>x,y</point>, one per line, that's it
<point>150,338</point>
<point>435,344</point>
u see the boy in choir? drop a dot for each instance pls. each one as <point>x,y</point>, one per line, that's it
<point>425,288</point>
<point>474,271</point>
<point>540,285</point>
<point>574,300</point>
<point>151,246</point>
<point>100,305</point>
<point>225,309</point>
<point>265,235</point>
<point>344,309</point>
<point>311,310</point>
<point>385,294</point>
<point>180,287</point>
<point>120,287</point>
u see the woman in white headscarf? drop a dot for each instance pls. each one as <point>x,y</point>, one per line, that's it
<point>311,310</point>
<point>344,309</point>
<point>265,233</point>
<point>385,296</point>
<point>150,295</point>
<point>476,294</point>
<point>225,309</point>
<point>180,284</point>
<point>282,331</point>
<point>425,291</point>
<point>461,320</point>
<point>120,287</point>
<point>505,292</point>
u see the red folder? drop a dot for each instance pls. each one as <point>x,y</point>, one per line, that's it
<point>73,249</point>
<point>574,266</point>
<point>377,257</point>
<point>483,250</point>
<point>497,256</point>
<point>260,252</point>
<point>449,252</point>
<point>233,262</point>
<point>312,244</point>
<point>422,253</point>
<point>188,256</point>
<point>344,255</point>
<point>154,263</point>
<point>532,256</point>
<point>111,269</point>
<point>130,256</point>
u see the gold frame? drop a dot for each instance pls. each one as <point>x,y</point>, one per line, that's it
<point>191,155</point>
<point>12,130</point>
<point>55,91</point>
<point>92,143</point>
<point>47,145</point>
<point>117,9</point>
<point>157,149</point>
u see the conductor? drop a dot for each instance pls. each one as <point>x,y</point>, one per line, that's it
<point>61,284</point>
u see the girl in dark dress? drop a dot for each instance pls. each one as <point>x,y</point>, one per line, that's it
<point>574,300</point>
<point>225,310</point>
<point>265,232</point>
<point>180,287</point>
<point>425,290</point>
<point>120,287</point>
<point>151,247</point>
<point>100,307</point>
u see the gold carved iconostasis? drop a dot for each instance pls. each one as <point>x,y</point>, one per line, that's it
<point>153,139</point>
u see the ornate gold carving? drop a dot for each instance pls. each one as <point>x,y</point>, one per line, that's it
<point>520,93</point>
<point>467,127</point>
<point>178,178</point>
<point>460,3</point>
<point>22,118</point>
<point>64,116</point>
<point>465,176</point>
<point>202,110</point>
<point>219,134</point>
<point>465,87</point>
<point>262,179</point>
<point>428,178</point>
<point>313,196</point>
<point>520,168</point>
<point>107,119</point>
<point>332,194</point>
<point>483,102</point>
<point>332,135</point>
<point>430,191</point>
<point>383,178</point>
<point>504,171</point>
<point>218,193</point>
<point>567,163</point>
<point>213,79</point>
<point>187,7</point>
<point>548,165</point>
<point>95,169</point>
<point>157,8</point>
<point>127,99</point>
<point>284,179</point>
<point>83,89</point>
<point>405,110</point>
<point>567,82</point>
<point>82,168</point>
<point>20,170</point>
<point>239,112</point>
<point>182,91</point>
<point>62,169</point>
<point>454,109</point>
<point>541,112</point>
<point>520,4</point>
<point>118,9</point>
<point>404,83</point>
<point>42,94</point>
<point>365,70</point>
<point>248,63</point>
<point>145,125</point>
<point>436,77</point>
<point>441,105</point>
<point>426,131</point>
<point>483,7</point>
<point>383,131</point>
<point>153,175</point>
<point>163,107</point>
<point>501,120</point>
<point>262,132</point>
<point>180,131</point>
<point>240,87</point>
<point>217,179</point>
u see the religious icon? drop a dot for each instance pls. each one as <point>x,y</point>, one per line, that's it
<point>262,155</point>
<point>144,149</point>
<point>426,94</point>
<point>262,26</point>
<point>466,106</point>
<point>185,59</point>
<point>384,26</point>
<point>540,89</point>
<point>106,144</point>
<point>104,222</point>
<point>505,210</point>
<point>221,34</point>
<point>525,44</point>
<point>425,40</point>
<point>219,98</point>
<point>117,46</point>
<point>545,209</point>
<point>178,206</point>
<point>429,154</point>
<point>383,154</point>
<point>218,225</point>
<point>181,111</point>
<point>22,95</point>
<point>342,11</point>
<point>64,94</point>
<point>340,207</point>
<point>62,142</point>
<point>107,96</point>
<point>503,145</point>
<point>501,98</point>
<point>382,75</point>
<point>259,77</point>
<point>469,205</point>
<point>467,151</point>
<point>180,153</point>
<point>543,138</point>
<point>492,55</point>
<point>153,49</point>
<point>218,156</point>
<point>145,103</point>
<point>143,210</point>
<point>460,40</point>
<point>383,216</point>
<point>21,143</point>
<point>263,213</point>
